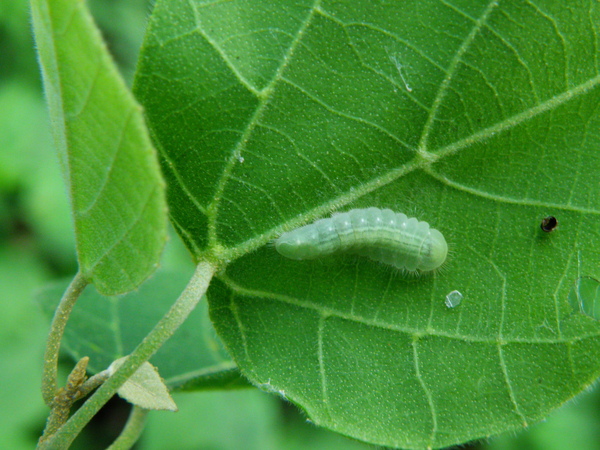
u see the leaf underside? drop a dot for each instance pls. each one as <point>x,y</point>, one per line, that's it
<point>113,177</point>
<point>478,117</point>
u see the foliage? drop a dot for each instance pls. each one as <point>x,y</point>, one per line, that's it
<point>269,117</point>
<point>477,117</point>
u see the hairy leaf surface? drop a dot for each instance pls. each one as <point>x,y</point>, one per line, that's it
<point>479,117</point>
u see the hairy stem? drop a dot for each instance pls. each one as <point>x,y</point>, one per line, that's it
<point>93,382</point>
<point>57,329</point>
<point>163,330</point>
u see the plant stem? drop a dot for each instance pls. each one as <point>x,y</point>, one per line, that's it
<point>163,330</point>
<point>92,383</point>
<point>65,397</point>
<point>59,321</point>
<point>132,431</point>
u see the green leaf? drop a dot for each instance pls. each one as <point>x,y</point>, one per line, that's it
<point>145,388</point>
<point>261,422</point>
<point>229,420</point>
<point>109,163</point>
<point>478,117</point>
<point>108,328</point>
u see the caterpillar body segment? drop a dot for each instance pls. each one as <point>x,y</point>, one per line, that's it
<point>379,234</point>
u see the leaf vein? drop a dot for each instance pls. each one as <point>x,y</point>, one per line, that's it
<point>427,392</point>
<point>237,150</point>
<point>441,94</point>
<point>406,329</point>
<point>126,233</point>
<point>321,358</point>
<point>511,392</point>
<point>346,115</point>
<point>221,53</point>
<point>111,165</point>
<point>509,200</point>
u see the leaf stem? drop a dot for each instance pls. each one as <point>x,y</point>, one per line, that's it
<point>57,329</point>
<point>132,431</point>
<point>163,330</point>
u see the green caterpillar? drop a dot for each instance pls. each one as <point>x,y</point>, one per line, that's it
<point>380,234</point>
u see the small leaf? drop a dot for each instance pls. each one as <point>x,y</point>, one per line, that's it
<point>108,161</point>
<point>145,388</point>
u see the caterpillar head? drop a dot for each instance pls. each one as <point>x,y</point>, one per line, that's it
<point>433,251</point>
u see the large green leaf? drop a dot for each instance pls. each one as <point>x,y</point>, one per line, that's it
<point>479,117</point>
<point>109,163</point>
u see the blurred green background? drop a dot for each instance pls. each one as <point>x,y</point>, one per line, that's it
<point>37,246</point>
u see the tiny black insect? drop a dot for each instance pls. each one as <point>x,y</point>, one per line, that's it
<point>549,224</point>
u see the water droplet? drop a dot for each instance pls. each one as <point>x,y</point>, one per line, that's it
<point>453,299</point>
